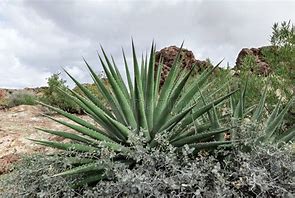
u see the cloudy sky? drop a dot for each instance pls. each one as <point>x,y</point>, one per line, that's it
<point>38,37</point>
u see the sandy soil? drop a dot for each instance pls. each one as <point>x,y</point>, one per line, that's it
<point>16,125</point>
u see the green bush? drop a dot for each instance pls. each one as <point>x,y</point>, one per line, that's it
<point>21,98</point>
<point>53,95</point>
<point>264,172</point>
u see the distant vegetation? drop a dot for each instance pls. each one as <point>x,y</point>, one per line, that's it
<point>55,95</point>
<point>21,98</point>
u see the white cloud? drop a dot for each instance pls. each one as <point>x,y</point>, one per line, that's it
<point>37,38</point>
<point>32,48</point>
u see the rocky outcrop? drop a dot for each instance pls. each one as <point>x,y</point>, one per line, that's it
<point>263,68</point>
<point>168,56</point>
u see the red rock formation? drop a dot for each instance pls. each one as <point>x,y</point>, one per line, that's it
<point>263,67</point>
<point>168,55</point>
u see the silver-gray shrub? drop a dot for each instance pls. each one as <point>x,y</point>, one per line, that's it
<point>263,172</point>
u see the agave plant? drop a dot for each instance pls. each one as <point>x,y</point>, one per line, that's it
<point>139,107</point>
<point>270,132</point>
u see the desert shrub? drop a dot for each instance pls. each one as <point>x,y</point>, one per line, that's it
<point>32,178</point>
<point>264,172</point>
<point>235,174</point>
<point>21,98</point>
<point>55,97</point>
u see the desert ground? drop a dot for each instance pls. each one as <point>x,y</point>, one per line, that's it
<point>17,124</point>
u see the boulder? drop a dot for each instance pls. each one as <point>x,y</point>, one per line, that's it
<point>263,68</point>
<point>168,55</point>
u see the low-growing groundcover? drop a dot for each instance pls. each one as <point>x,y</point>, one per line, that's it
<point>264,172</point>
<point>161,142</point>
